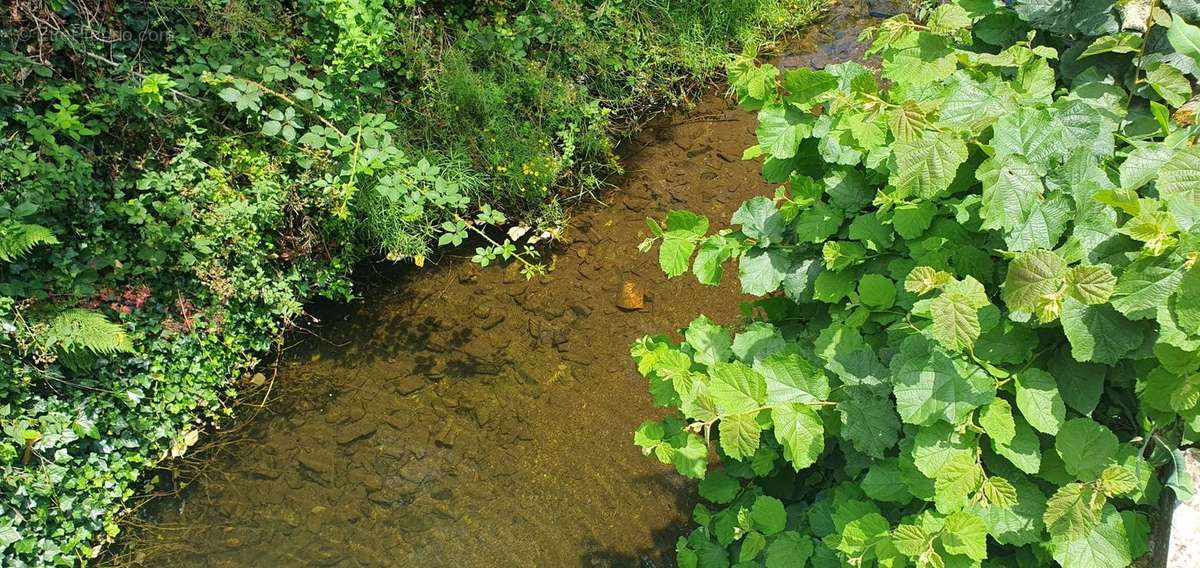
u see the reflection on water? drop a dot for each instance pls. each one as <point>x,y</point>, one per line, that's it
<point>466,417</point>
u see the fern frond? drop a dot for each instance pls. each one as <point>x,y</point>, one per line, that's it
<point>86,330</point>
<point>17,239</point>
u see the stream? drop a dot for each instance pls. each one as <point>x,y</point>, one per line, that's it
<point>459,416</point>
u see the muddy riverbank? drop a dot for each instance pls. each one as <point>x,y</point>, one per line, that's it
<point>460,416</point>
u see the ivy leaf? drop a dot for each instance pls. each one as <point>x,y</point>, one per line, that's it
<point>801,433</point>
<point>1086,447</point>
<point>1039,401</point>
<point>932,385</point>
<point>926,167</point>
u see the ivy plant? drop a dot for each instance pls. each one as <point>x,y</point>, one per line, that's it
<point>978,337</point>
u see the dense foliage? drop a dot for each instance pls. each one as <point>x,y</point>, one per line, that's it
<point>178,177</point>
<point>979,342</point>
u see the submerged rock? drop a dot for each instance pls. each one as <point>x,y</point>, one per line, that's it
<point>631,296</point>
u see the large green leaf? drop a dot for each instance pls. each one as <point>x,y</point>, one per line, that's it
<point>801,433</point>
<point>1039,401</point>
<point>931,384</point>
<point>925,167</point>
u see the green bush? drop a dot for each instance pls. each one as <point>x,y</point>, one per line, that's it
<point>984,351</point>
<point>178,177</point>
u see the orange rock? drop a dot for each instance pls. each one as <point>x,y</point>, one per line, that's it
<point>632,297</point>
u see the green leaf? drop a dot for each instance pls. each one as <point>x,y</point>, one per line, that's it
<point>930,384</point>
<point>958,479</point>
<point>675,254</point>
<point>965,534</point>
<point>740,435</point>
<point>1106,545</point>
<point>927,166</point>
<point>801,433</point>
<point>1030,133</point>
<point>1073,511</point>
<point>719,487</point>
<point>781,128</point>
<point>877,291</point>
<point>768,515</point>
<point>1033,277</point>
<point>1098,333</point>
<point>736,388</point>
<point>1024,451</point>
<point>752,545</point>
<point>1124,42</point>
<point>1018,524</point>
<point>761,271</point>
<point>791,378</point>
<point>1086,447</point>
<point>714,251</point>
<point>1181,175</point>
<point>1184,37</point>
<point>955,321</point>
<point>805,86</point>
<point>1169,83</point>
<point>712,343</point>
<point>997,420</point>
<point>883,483</point>
<point>789,550</point>
<point>924,279</point>
<point>760,220</point>
<point>869,421</point>
<point>1011,190</point>
<point>911,220</point>
<point>1039,401</point>
<point>1180,480</point>
<point>1091,284</point>
<point>1143,287</point>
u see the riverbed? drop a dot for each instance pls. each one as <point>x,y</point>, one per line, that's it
<point>463,416</point>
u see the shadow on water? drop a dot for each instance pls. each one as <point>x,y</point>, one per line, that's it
<point>467,417</point>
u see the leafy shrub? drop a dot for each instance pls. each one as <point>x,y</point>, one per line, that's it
<point>177,177</point>
<point>984,351</point>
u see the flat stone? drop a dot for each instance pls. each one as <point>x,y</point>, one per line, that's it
<point>407,384</point>
<point>354,432</point>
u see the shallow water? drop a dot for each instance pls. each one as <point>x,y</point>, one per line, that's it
<point>460,416</point>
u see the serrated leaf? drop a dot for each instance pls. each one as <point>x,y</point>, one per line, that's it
<point>736,388</point>
<point>998,492</point>
<point>923,279</point>
<point>869,421</point>
<point>719,487</point>
<point>1073,511</point>
<point>1086,447</point>
<point>1039,401</point>
<point>801,433</point>
<point>997,421</point>
<point>760,220</point>
<point>789,550</point>
<point>930,384</point>
<point>1033,278</point>
<point>1106,545</point>
<point>1098,333</point>
<point>768,515</point>
<point>791,378</point>
<point>1011,190</point>
<point>740,435</point>
<point>761,271</point>
<point>957,480</point>
<point>1091,284</point>
<point>965,534</point>
<point>927,166</point>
